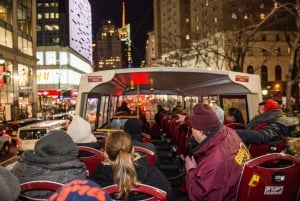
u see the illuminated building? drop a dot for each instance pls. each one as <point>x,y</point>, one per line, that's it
<point>18,60</point>
<point>113,45</point>
<point>64,49</point>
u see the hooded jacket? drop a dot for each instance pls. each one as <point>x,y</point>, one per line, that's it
<point>220,159</point>
<point>265,127</point>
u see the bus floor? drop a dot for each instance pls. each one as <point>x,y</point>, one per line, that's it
<point>173,167</point>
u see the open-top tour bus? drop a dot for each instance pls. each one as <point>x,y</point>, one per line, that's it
<point>101,92</point>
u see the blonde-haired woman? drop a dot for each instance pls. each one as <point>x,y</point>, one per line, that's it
<point>126,168</point>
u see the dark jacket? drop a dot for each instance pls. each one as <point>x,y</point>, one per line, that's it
<point>263,128</point>
<point>146,174</point>
<point>150,146</point>
<point>95,145</point>
<point>30,168</point>
<point>220,159</point>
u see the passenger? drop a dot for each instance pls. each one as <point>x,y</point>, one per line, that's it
<point>9,185</point>
<point>133,127</point>
<point>234,118</point>
<point>178,108</point>
<point>160,109</point>
<point>81,133</point>
<point>80,190</point>
<point>294,147</point>
<point>217,157</point>
<point>54,158</point>
<point>126,168</point>
<point>261,107</point>
<point>142,117</point>
<point>123,109</point>
<point>264,127</point>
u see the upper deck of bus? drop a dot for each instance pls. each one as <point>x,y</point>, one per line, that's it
<point>173,80</point>
<point>184,82</point>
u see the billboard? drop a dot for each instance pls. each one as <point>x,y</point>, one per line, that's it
<point>80,27</point>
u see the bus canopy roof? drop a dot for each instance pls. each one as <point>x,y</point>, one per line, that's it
<point>169,80</point>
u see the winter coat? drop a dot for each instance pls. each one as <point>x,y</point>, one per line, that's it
<point>62,172</point>
<point>220,159</point>
<point>263,128</point>
<point>146,174</point>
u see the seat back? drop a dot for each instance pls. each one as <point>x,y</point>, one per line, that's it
<point>146,137</point>
<point>92,161</point>
<point>273,177</point>
<point>150,155</point>
<point>154,193</point>
<point>37,185</point>
<point>270,147</point>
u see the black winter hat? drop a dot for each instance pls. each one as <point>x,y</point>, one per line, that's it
<point>133,126</point>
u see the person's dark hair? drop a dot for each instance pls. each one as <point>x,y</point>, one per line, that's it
<point>262,103</point>
<point>237,114</point>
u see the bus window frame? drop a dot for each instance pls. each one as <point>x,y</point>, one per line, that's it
<point>232,100</point>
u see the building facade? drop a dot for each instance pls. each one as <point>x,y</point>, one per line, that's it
<point>108,47</point>
<point>18,59</point>
<point>227,35</point>
<point>113,45</point>
<point>64,51</point>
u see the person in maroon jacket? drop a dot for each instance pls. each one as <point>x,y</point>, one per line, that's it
<point>217,157</point>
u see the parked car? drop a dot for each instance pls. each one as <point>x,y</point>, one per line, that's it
<point>13,126</point>
<point>5,140</point>
<point>28,135</point>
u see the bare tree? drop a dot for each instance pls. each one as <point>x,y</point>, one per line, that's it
<point>293,75</point>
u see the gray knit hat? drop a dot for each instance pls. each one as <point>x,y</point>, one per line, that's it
<point>9,185</point>
<point>56,142</point>
<point>55,147</point>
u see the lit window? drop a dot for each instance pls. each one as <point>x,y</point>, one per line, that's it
<point>46,15</point>
<point>233,16</point>
<point>262,16</point>
<point>39,16</point>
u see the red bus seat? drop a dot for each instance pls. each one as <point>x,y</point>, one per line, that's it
<point>146,137</point>
<point>92,161</point>
<point>155,193</point>
<point>37,185</point>
<point>148,153</point>
<point>270,147</point>
<point>272,177</point>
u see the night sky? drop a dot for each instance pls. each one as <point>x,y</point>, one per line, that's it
<point>139,14</point>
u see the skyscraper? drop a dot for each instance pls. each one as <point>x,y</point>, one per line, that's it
<point>64,49</point>
<point>113,45</point>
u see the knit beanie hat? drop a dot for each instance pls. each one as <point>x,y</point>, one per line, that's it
<point>133,127</point>
<point>9,185</point>
<point>80,131</point>
<point>271,105</point>
<point>80,190</point>
<point>219,112</point>
<point>204,118</point>
<point>56,143</point>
